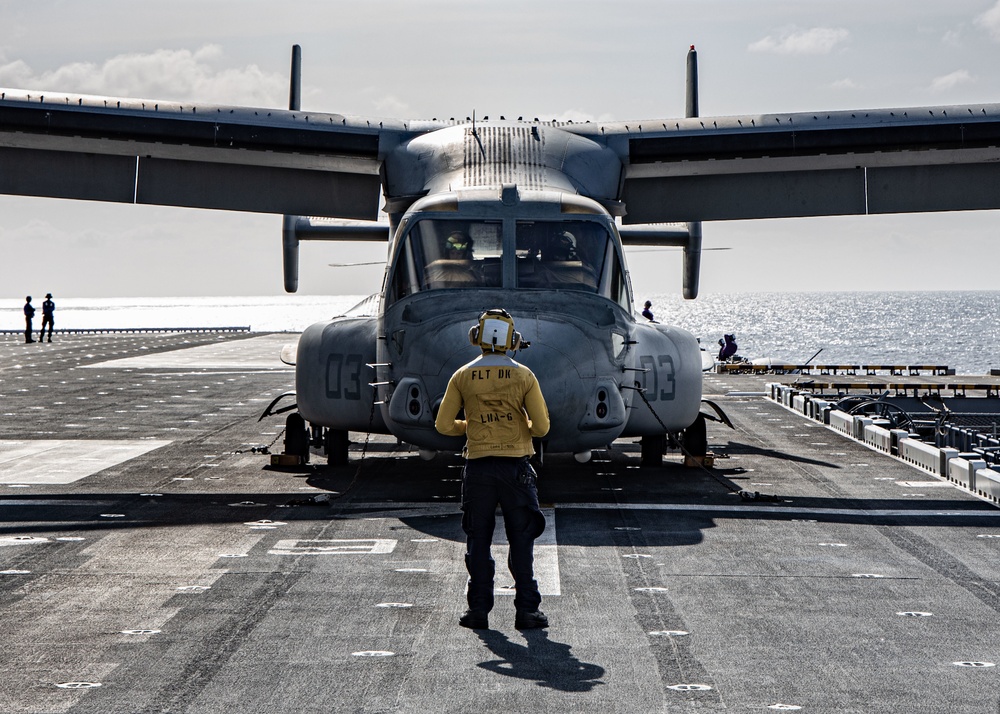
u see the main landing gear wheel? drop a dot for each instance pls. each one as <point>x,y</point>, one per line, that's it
<point>335,442</point>
<point>651,450</point>
<point>694,439</point>
<point>296,436</point>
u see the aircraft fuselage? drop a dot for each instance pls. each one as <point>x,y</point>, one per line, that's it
<point>555,262</point>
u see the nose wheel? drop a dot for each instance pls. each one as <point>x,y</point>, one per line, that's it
<point>651,449</point>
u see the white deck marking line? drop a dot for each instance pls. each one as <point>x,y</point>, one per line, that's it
<point>62,461</point>
<point>959,510</point>
<point>546,558</point>
<point>414,509</point>
<point>254,353</point>
<point>334,546</point>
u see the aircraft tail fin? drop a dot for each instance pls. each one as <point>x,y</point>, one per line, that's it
<point>289,239</point>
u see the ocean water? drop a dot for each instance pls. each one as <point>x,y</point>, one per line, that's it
<point>958,329</point>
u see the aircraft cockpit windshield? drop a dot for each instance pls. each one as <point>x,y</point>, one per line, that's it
<point>437,254</point>
<point>561,254</point>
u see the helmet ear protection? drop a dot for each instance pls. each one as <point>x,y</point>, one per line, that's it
<point>495,331</point>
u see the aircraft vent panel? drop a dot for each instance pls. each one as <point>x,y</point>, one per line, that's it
<point>501,155</point>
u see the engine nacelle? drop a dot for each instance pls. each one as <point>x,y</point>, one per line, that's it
<point>333,377</point>
<point>667,361</point>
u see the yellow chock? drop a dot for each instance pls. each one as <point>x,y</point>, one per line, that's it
<point>285,460</point>
<point>708,461</point>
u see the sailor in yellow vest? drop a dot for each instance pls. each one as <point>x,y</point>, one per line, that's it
<point>504,409</point>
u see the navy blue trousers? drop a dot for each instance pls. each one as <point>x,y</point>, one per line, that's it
<point>486,483</point>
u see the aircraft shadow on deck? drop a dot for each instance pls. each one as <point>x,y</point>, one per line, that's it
<point>736,447</point>
<point>663,524</point>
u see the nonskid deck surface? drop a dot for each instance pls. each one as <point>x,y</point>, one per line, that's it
<point>151,561</point>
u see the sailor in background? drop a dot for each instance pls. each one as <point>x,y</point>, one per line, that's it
<point>727,347</point>
<point>48,316</point>
<point>647,311</point>
<point>29,313</point>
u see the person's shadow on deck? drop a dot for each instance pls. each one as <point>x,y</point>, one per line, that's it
<point>548,663</point>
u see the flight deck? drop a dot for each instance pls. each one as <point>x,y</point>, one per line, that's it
<point>153,560</point>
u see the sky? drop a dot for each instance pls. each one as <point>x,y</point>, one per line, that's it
<point>552,59</point>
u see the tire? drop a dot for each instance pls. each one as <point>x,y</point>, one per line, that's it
<point>695,437</point>
<point>652,448</point>
<point>297,436</point>
<point>335,443</point>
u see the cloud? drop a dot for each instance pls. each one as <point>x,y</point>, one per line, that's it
<point>953,38</point>
<point>177,75</point>
<point>846,83</point>
<point>990,21</point>
<point>814,41</point>
<point>950,81</point>
<point>392,106</point>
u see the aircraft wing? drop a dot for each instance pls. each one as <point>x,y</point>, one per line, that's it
<point>808,164</point>
<point>232,158</point>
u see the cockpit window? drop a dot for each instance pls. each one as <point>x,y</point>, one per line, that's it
<point>568,255</point>
<point>439,254</point>
<point>445,253</point>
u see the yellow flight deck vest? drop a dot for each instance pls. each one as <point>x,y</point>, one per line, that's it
<point>503,406</point>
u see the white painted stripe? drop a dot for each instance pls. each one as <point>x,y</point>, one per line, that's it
<point>335,546</point>
<point>791,511</point>
<point>58,461</point>
<point>393,509</point>
<point>257,353</point>
<point>546,558</point>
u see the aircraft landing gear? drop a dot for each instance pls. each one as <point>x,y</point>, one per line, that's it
<point>297,436</point>
<point>335,443</point>
<point>694,439</point>
<point>651,450</point>
<point>693,442</point>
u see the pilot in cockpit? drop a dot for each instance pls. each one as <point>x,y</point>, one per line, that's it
<point>561,265</point>
<point>458,246</point>
<point>455,269</point>
<point>561,247</point>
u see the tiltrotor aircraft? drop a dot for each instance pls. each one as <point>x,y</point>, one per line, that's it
<point>526,215</point>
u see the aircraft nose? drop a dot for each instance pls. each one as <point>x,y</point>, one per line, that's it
<point>567,362</point>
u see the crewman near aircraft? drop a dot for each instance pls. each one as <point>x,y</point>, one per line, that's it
<point>48,316</point>
<point>29,313</point>
<point>647,311</point>
<point>504,409</point>
<point>727,347</point>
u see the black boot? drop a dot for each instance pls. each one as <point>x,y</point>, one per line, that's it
<point>525,620</point>
<point>475,620</point>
